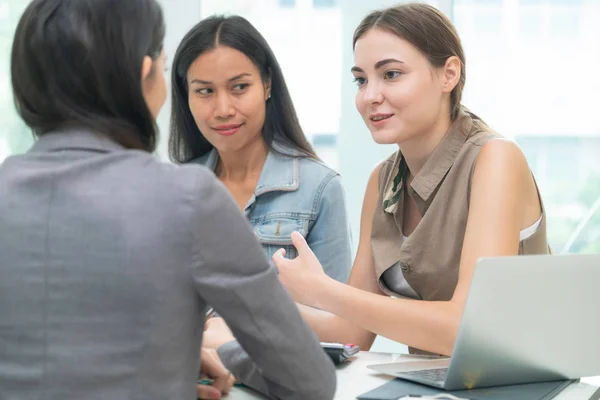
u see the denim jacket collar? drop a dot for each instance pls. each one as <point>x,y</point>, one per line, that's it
<point>281,171</point>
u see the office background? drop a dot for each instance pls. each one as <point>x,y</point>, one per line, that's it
<point>531,74</point>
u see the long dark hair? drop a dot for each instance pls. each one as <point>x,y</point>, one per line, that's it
<point>78,62</point>
<point>186,142</point>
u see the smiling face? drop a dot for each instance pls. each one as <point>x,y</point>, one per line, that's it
<point>227,98</point>
<point>400,94</point>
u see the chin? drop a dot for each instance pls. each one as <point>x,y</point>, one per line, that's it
<point>384,137</point>
<point>230,144</point>
<point>225,148</point>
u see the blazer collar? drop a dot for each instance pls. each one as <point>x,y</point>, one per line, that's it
<point>75,138</point>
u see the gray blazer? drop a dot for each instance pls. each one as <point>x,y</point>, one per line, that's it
<point>108,258</point>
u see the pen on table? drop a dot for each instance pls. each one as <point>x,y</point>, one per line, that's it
<point>207,381</point>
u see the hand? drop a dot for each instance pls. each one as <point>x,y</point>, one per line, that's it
<point>212,367</point>
<point>216,333</point>
<point>300,275</point>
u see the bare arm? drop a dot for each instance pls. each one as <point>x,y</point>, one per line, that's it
<point>503,200</point>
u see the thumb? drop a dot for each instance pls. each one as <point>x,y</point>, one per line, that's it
<point>300,244</point>
<point>280,253</point>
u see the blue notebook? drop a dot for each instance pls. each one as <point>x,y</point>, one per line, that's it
<point>397,388</point>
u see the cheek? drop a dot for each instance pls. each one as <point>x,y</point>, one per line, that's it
<point>199,111</point>
<point>254,110</point>
<point>426,102</point>
<point>163,88</point>
<point>401,96</point>
<point>411,97</point>
<point>359,101</point>
<point>423,91</point>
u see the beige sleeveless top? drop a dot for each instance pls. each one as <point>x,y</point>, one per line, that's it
<point>425,265</point>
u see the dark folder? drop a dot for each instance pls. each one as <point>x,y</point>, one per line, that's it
<point>398,388</point>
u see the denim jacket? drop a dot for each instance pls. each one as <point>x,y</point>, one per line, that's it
<point>296,193</point>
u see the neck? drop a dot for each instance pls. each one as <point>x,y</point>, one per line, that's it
<point>244,164</point>
<point>417,150</point>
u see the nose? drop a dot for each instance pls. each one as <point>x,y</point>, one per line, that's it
<point>223,106</point>
<point>372,93</point>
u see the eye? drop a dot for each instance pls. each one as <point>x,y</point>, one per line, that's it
<point>203,91</point>
<point>359,81</point>
<point>240,87</point>
<point>392,74</point>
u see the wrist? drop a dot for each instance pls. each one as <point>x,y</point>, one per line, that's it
<point>322,288</point>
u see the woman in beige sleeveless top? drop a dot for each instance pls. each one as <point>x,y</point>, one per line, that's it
<point>454,192</point>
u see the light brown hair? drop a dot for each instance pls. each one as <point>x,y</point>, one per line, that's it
<point>432,33</point>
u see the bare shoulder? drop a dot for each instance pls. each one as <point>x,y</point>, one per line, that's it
<point>503,174</point>
<point>372,190</point>
<point>502,155</point>
<point>374,177</point>
<point>370,200</point>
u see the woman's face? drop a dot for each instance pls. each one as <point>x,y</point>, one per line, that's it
<point>154,83</point>
<point>227,98</point>
<point>400,94</point>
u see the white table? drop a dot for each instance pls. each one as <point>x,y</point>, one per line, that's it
<point>355,378</point>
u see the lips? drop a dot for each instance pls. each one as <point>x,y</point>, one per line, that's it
<point>379,120</point>
<point>380,117</point>
<point>227,130</point>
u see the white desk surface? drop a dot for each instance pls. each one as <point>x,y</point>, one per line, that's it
<point>355,378</point>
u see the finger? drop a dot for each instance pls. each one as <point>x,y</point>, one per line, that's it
<point>231,382</point>
<point>214,368</point>
<point>278,258</point>
<point>212,322</point>
<point>300,244</point>
<point>206,392</point>
<point>207,324</point>
<point>224,382</point>
<point>279,253</point>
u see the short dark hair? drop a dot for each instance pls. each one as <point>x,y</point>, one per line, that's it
<point>79,62</point>
<point>186,142</point>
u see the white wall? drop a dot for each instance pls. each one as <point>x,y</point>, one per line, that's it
<point>180,17</point>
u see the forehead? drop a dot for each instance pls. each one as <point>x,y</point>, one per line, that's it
<point>379,44</point>
<point>221,62</point>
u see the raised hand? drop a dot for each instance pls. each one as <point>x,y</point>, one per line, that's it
<point>300,274</point>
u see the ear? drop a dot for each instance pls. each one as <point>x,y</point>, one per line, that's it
<point>451,74</point>
<point>146,67</point>
<point>267,89</point>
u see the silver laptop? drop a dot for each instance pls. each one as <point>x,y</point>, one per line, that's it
<point>527,319</point>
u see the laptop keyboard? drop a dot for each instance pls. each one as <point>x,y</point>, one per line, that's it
<point>436,375</point>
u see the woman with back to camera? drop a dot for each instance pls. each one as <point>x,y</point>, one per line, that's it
<point>232,113</point>
<point>109,256</point>
<point>455,191</point>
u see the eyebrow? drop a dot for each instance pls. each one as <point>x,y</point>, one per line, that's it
<point>235,78</point>
<point>378,64</point>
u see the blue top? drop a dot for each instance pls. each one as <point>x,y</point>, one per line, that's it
<point>298,193</point>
